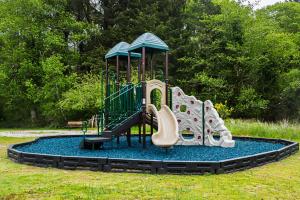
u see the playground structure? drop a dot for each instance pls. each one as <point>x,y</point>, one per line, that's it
<point>182,122</point>
<point>128,104</point>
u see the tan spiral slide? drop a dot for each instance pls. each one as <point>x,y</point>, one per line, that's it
<point>167,133</point>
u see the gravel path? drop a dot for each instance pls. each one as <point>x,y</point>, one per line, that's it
<point>38,133</point>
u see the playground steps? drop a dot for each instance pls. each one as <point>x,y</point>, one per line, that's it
<point>123,126</point>
<point>93,143</point>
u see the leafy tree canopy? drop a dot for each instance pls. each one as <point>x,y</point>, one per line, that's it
<point>51,55</point>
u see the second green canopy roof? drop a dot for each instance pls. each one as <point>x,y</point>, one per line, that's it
<point>121,49</point>
<point>148,40</point>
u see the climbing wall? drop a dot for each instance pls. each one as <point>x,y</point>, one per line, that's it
<point>189,114</point>
<point>188,111</point>
<point>215,125</point>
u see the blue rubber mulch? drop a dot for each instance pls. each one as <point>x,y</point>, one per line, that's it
<point>69,146</point>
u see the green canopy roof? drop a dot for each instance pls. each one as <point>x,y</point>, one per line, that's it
<point>148,40</point>
<point>121,49</point>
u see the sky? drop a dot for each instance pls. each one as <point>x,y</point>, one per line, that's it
<point>263,3</point>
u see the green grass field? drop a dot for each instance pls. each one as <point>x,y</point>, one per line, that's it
<point>280,180</point>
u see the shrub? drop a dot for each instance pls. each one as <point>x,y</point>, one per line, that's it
<point>224,110</point>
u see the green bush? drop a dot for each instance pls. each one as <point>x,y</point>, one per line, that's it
<point>84,99</point>
<point>223,109</point>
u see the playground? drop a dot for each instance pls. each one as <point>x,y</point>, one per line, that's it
<point>148,99</point>
<point>185,135</point>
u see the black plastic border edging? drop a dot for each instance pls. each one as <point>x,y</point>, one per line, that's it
<point>152,166</point>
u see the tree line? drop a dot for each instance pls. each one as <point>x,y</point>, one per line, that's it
<point>52,55</point>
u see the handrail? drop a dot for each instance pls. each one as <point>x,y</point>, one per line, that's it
<point>84,127</point>
<point>127,117</point>
<point>123,92</point>
<point>117,92</point>
<point>120,92</point>
<point>120,106</point>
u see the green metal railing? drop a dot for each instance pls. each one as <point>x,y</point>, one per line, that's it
<point>119,106</point>
<point>123,104</point>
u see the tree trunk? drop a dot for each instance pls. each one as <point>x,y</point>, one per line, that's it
<point>33,115</point>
